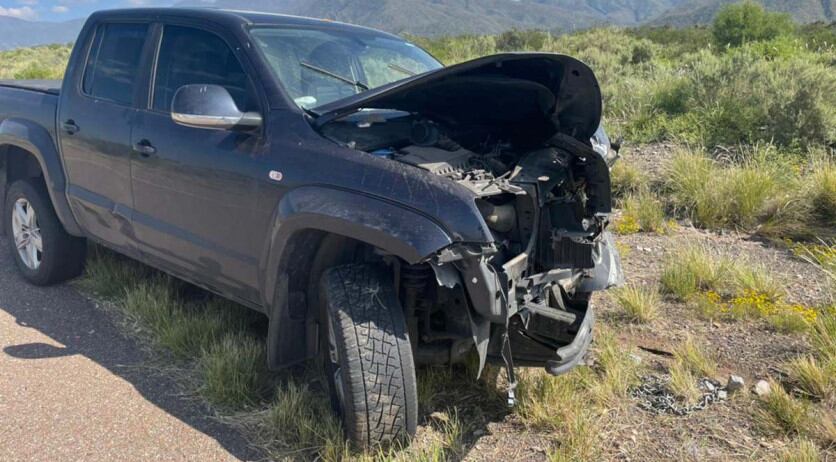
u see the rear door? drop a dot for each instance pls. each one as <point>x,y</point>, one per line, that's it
<point>94,121</point>
<point>195,190</point>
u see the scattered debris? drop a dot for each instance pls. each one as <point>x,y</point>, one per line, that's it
<point>761,388</point>
<point>656,351</point>
<point>635,358</point>
<point>735,383</point>
<point>654,395</point>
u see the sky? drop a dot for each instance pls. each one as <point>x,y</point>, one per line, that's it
<point>63,10</point>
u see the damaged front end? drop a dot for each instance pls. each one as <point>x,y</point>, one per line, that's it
<point>521,134</point>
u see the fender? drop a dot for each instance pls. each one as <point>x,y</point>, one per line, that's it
<point>391,227</point>
<point>34,138</point>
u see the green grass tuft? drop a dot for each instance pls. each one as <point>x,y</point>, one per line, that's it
<point>691,269</point>
<point>640,304</point>
<point>233,372</point>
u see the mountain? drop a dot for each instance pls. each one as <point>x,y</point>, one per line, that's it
<point>18,33</point>
<point>703,11</point>
<point>450,17</point>
<point>442,17</point>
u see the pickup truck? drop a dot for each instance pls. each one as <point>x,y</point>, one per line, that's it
<point>382,210</point>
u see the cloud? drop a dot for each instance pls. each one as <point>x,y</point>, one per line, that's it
<point>23,12</point>
<point>59,9</point>
<point>28,2</point>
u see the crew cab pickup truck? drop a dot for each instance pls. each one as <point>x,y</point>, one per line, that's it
<point>384,211</point>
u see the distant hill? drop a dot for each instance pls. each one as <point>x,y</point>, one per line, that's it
<point>453,17</point>
<point>18,33</point>
<point>703,11</point>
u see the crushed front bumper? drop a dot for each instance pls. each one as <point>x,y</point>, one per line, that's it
<point>546,320</point>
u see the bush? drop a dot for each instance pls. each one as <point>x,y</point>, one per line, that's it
<point>748,21</point>
<point>522,40</point>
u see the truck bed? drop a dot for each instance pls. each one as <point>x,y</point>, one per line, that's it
<point>52,87</point>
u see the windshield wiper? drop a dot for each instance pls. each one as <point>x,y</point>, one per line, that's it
<point>328,73</point>
<point>402,69</point>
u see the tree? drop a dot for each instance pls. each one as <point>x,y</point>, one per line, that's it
<point>748,21</point>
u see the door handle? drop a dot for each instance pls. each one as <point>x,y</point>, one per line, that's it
<point>145,148</point>
<point>70,127</point>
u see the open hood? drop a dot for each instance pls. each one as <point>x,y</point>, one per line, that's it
<point>522,98</point>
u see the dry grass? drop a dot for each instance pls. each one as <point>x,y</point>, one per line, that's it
<point>801,450</point>
<point>639,303</point>
<point>683,384</point>
<point>572,407</point>
<point>823,335</point>
<point>693,358</point>
<point>690,363</point>
<point>781,414</point>
<point>812,378</point>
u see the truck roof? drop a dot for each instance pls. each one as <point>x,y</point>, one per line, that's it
<point>232,18</point>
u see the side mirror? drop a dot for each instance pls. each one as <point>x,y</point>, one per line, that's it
<point>210,106</point>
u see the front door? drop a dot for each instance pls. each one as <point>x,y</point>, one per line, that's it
<point>95,132</point>
<point>195,190</point>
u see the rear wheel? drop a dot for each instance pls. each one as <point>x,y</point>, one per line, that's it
<point>43,251</point>
<point>367,355</point>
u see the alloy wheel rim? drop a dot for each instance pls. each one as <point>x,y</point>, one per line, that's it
<point>27,234</point>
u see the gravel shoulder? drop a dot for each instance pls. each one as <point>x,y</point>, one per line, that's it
<point>72,387</point>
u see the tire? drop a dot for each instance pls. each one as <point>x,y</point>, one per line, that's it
<point>60,256</point>
<point>369,364</point>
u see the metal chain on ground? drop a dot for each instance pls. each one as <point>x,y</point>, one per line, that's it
<point>654,395</point>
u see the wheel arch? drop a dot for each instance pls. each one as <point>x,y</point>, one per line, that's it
<point>27,150</point>
<point>313,228</point>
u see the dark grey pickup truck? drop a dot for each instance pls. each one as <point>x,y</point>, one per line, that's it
<point>382,210</point>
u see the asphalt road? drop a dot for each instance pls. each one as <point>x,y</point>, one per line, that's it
<point>72,387</point>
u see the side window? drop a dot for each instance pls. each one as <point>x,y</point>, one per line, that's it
<point>192,56</point>
<point>113,63</point>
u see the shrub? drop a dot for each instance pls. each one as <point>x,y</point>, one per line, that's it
<point>522,40</point>
<point>43,62</point>
<point>748,21</point>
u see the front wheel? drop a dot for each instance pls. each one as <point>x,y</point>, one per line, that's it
<point>44,252</point>
<point>367,355</point>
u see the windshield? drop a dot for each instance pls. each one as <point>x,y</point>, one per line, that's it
<point>318,66</point>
